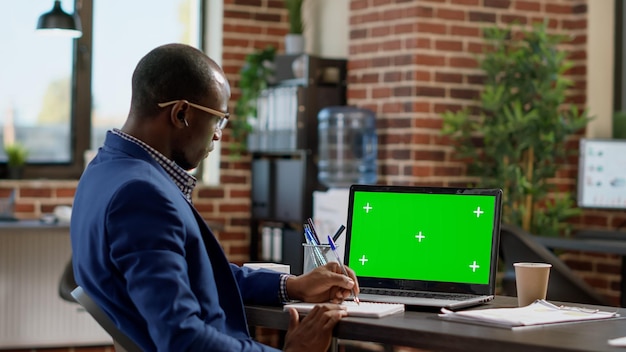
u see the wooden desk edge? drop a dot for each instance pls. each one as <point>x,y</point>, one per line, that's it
<point>436,334</point>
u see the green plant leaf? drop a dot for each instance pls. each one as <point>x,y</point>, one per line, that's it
<point>294,7</point>
<point>16,153</point>
<point>524,123</point>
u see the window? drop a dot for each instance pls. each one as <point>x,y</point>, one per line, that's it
<point>35,93</point>
<point>121,38</point>
<point>58,96</point>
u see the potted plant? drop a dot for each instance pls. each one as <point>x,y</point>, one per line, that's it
<point>16,158</point>
<point>256,74</point>
<point>518,137</point>
<point>294,40</point>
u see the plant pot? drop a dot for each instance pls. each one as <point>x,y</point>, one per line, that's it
<point>15,172</point>
<point>294,43</point>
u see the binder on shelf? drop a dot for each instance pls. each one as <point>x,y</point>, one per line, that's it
<point>266,243</point>
<point>277,244</point>
<point>287,111</point>
<point>292,249</point>
<point>262,188</point>
<point>289,191</point>
<point>274,129</point>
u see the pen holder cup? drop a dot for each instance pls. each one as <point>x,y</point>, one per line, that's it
<point>316,255</point>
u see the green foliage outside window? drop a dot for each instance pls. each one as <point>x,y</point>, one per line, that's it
<point>517,140</point>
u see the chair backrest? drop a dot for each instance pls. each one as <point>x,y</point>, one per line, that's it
<point>122,342</point>
<point>67,283</point>
<point>517,245</point>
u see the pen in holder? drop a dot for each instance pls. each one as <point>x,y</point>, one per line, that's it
<point>316,255</point>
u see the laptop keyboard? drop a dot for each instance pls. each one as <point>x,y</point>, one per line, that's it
<point>419,294</point>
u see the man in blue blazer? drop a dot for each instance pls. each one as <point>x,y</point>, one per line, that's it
<point>145,255</point>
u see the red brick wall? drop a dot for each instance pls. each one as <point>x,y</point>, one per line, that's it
<point>249,25</point>
<point>409,61</point>
<point>35,198</point>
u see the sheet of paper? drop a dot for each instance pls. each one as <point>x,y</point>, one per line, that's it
<point>539,313</point>
<point>620,342</point>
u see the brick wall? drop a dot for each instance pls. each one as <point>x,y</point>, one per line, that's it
<point>33,198</point>
<point>410,61</point>
<point>249,25</point>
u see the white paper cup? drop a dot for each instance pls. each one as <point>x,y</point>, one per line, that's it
<point>531,280</point>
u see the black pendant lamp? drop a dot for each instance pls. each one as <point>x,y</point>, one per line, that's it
<point>59,22</point>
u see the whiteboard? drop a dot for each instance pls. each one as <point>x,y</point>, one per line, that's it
<point>602,173</point>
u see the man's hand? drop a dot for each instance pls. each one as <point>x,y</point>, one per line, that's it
<point>314,332</point>
<point>323,284</point>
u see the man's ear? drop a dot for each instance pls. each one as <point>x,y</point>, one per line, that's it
<point>178,114</point>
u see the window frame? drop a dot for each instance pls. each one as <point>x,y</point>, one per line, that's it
<point>81,101</point>
<point>80,128</point>
<point>619,83</point>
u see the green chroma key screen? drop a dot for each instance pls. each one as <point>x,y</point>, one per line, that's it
<point>431,237</point>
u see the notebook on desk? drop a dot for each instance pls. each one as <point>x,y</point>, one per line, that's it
<point>424,246</point>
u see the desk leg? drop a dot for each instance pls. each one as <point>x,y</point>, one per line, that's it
<point>334,345</point>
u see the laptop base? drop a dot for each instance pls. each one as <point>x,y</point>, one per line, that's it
<point>427,302</point>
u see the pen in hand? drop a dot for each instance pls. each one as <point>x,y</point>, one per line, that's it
<point>343,268</point>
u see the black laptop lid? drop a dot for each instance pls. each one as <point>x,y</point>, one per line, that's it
<point>436,239</point>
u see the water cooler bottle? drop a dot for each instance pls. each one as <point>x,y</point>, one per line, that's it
<point>347,147</point>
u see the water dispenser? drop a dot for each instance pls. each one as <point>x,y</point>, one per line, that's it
<point>347,146</point>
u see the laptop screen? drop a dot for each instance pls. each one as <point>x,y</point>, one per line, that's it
<point>424,237</point>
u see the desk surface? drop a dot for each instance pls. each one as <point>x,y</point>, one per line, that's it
<point>425,330</point>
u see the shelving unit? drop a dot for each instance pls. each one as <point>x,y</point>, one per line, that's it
<point>284,170</point>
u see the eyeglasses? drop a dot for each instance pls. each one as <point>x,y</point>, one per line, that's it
<point>223,116</point>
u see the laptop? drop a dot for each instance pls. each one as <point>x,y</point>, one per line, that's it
<point>424,246</point>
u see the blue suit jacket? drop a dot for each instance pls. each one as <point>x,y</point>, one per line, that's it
<point>144,254</point>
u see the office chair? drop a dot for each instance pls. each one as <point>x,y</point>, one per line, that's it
<point>121,342</point>
<point>67,283</point>
<point>517,245</point>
